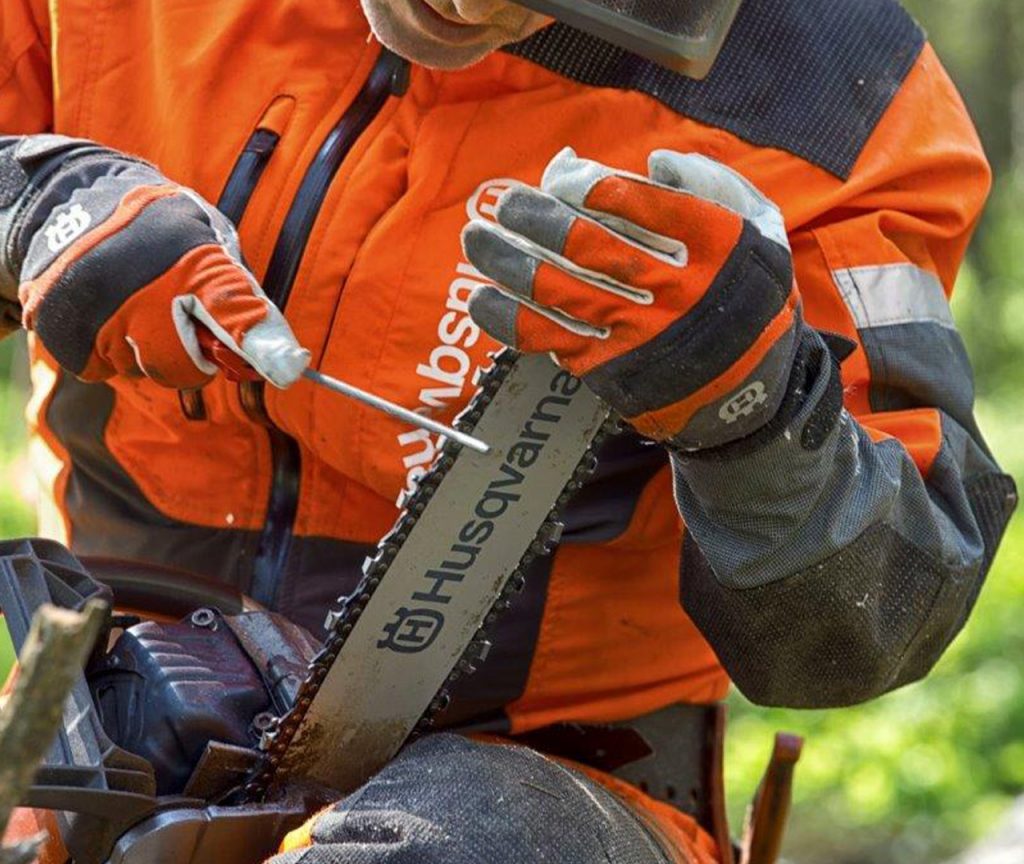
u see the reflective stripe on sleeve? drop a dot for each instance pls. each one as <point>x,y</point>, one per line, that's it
<point>878,296</point>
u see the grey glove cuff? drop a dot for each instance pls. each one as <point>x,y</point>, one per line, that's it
<point>811,369</point>
<point>13,182</point>
<point>748,503</point>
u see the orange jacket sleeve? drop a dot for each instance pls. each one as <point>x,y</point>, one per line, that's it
<point>879,265</point>
<point>26,100</point>
<point>836,554</point>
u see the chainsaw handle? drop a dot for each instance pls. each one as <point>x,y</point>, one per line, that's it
<point>233,366</point>
<point>769,812</point>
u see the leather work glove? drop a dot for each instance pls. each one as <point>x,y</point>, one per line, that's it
<point>113,266</point>
<point>671,296</point>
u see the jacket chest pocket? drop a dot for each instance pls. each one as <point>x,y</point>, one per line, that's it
<point>233,201</point>
<point>252,161</point>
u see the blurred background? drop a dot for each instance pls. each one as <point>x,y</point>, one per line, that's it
<point>923,773</point>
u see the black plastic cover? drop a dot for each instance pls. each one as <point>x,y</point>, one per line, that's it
<point>108,788</point>
<point>166,690</point>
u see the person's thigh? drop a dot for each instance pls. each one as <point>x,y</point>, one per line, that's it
<point>457,801</point>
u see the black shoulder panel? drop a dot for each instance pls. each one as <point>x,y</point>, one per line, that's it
<point>812,77</point>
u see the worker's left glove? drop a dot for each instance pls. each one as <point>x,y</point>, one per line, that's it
<point>120,271</point>
<point>671,296</point>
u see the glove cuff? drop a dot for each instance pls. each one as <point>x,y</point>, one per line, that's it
<point>13,182</point>
<point>814,377</point>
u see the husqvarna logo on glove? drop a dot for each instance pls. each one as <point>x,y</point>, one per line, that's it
<point>67,227</point>
<point>744,403</point>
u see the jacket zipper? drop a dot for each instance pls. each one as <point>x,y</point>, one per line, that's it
<point>234,198</point>
<point>388,77</point>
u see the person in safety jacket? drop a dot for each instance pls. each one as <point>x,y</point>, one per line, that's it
<point>752,269</point>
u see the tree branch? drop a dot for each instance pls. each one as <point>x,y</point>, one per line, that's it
<point>52,657</point>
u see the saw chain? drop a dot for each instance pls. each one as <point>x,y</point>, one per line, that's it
<point>279,742</point>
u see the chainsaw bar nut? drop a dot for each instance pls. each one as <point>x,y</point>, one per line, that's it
<point>205,619</point>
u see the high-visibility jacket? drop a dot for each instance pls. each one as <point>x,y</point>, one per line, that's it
<point>350,176</point>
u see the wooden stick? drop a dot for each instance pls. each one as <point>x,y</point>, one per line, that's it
<point>53,655</point>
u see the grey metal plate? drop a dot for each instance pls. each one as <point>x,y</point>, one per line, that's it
<point>480,521</point>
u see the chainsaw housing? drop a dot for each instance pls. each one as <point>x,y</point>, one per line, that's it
<point>163,726</point>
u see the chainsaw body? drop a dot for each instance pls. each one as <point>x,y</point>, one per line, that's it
<point>222,730</point>
<point>184,722</point>
<point>163,726</point>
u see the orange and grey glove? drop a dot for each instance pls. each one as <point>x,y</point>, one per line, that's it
<point>114,267</point>
<point>671,296</point>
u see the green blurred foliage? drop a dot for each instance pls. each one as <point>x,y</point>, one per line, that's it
<point>981,43</point>
<point>16,516</point>
<point>6,653</point>
<point>916,775</point>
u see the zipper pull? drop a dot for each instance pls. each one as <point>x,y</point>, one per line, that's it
<point>400,74</point>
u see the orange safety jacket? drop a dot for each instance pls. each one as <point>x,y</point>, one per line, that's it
<point>350,176</point>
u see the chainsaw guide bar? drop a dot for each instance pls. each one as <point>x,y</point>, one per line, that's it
<point>450,565</point>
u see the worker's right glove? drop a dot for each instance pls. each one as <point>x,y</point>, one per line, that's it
<point>115,267</point>
<point>671,296</point>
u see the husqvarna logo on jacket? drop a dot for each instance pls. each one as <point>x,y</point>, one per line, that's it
<point>483,203</point>
<point>449,366</point>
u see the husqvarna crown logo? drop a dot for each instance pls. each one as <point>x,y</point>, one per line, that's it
<point>67,227</point>
<point>483,203</point>
<point>744,403</point>
<point>412,630</point>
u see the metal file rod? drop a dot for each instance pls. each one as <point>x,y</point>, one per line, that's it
<point>396,410</point>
